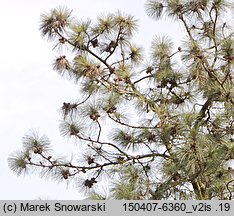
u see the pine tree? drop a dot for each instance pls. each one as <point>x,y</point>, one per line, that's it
<point>156,130</point>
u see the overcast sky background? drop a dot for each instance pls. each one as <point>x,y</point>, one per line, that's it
<point>31,92</point>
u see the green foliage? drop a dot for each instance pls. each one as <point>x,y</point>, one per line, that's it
<point>160,129</point>
<point>154,9</point>
<point>17,162</point>
<point>55,22</point>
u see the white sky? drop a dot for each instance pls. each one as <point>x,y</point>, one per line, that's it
<point>31,92</point>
